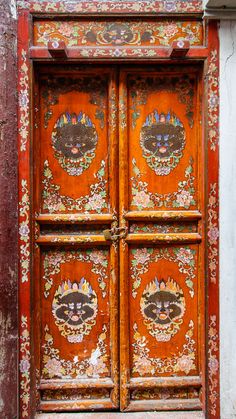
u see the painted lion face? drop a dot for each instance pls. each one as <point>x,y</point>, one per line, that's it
<point>74,141</point>
<point>118,34</point>
<point>162,306</point>
<point>74,308</point>
<point>162,139</point>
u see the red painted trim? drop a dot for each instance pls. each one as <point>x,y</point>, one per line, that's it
<point>24,81</point>
<point>110,7</point>
<point>213,379</point>
<point>114,53</point>
<point>24,214</point>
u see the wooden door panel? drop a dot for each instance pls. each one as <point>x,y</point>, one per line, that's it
<point>161,258</point>
<point>159,219</point>
<point>163,140</point>
<point>75,199</point>
<point>75,327</point>
<point>75,118</point>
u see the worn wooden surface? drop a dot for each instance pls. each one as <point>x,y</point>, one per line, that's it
<point>189,194</point>
<point>8,211</point>
<point>137,415</point>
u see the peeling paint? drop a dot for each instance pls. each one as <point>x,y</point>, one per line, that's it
<point>8,210</point>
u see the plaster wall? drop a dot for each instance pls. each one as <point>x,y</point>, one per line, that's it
<point>227,34</point>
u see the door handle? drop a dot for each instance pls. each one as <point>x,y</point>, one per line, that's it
<point>115,233</point>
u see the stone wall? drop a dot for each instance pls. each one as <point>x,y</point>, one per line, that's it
<point>8,212</point>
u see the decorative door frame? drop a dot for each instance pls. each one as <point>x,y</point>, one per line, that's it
<point>207,53</point>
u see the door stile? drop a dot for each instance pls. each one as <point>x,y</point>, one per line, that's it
<point>123,208</point>
<point>114,272</point>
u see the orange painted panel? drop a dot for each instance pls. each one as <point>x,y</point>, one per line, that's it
<point>164,148</point>
<point>131,33</point>
<point>74,162</point>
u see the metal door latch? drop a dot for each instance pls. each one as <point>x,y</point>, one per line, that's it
<point>115,233</point>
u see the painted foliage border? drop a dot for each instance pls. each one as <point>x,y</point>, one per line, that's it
<point>25,9</point>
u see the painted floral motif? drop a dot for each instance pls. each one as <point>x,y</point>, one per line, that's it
<point>183,256</point>
<point>24,232</point>
<point>162,306</point>
<point>165,393</point>
<point>213,363</point>
<point>93,367</point>
<point>142,87</point>
<point>53,201</point>
<point>182,198</point>
<point>213,232</point>
<point>114,6</point>
<point>76,394</point>
<point>213,101</point>
<point>162,228</point>
<point>24,101</point>
<point>74,308</point>
<point>96,88</point>
<point>162,139</point>
<point>117,33</point>
<point>74,140</point>
<point>24,366</point>
<point>54,259</point>
<point>144,365</point>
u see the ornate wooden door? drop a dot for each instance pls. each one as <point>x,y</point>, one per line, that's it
<point>118,197</point>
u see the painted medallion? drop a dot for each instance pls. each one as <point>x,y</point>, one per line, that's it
<point>74,140</point>
<point>162,140</point>
<point>163,306</point>
<point>74,308</point>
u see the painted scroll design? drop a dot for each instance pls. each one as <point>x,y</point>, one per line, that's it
<point>76,394</point>
<point>141,88</point>
<point>24,101</point>
<point>117,33</point>
<point>162,139</point>
<point>165,394</point>
<point>163,306</point>
<point>213,232</point>
<point>182,198</point>
<point>93,367</point>
<point>96,88</point>
<point>74,308</point>
<point>24,231</point>
<point>74,140</point>
<point>54,259</point>
<point>143,364</point>
<point>213,363</point>
<point>111,6</point>
<point>53,201</point>
<point>24,366</point>
<point>183,256</point>
<point>213,100</point>
<point>162,228</point>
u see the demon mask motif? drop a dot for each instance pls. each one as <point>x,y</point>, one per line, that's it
<point>163,306</point>
<point>74,141</point>
<point>74,308</point>
<point>162,140</point>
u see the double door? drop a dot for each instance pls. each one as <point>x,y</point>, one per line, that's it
<point>118,199</point>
